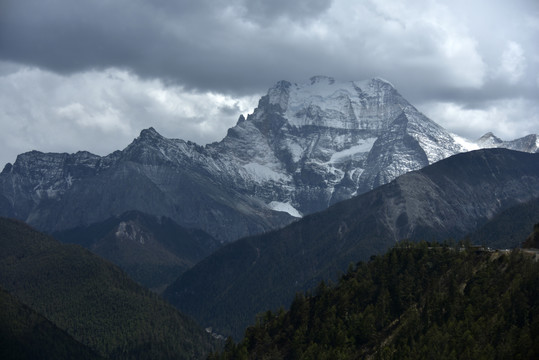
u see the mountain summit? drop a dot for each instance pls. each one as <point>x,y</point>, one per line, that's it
<point>305,147</point>
<point>311,145</point>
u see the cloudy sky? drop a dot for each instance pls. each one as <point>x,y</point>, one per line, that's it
<point>89,75</point>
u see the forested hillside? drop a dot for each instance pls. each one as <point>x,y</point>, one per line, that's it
<point>507,229</point>
<point>24,334</point>
<point>92,300</point>
<point>532,241</point>
<point>418,301</point>
<point>152,250</point>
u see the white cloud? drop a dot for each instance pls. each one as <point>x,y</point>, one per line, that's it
<point>102,111</point>
<point>513,63</point>
<point>507,119</point>
<point>396,39</point>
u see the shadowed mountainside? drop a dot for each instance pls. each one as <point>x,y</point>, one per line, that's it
<point>92,300</point>
<point>153,251</point>
<point>448,199</point>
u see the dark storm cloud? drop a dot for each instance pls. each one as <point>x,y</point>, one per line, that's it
<point>476,98</point>
<point>190,67</point>
<point>265,12</point>
<point>246,45</point>
<point>69,36</point>
<point>241,46</point>
<point>228,46</point>
<point>196,43</point>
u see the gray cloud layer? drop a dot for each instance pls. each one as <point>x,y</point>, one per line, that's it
<point>243,45</point>
<point>464,58</point>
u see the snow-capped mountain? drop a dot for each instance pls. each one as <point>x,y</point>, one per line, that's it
<point>310,145</point>
<point>305,147</point>
<point>529,143</point>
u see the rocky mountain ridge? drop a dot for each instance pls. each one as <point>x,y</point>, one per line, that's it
<point>305,147</point>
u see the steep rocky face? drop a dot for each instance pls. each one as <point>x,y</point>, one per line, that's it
<point>305,147</point>
<point>154,175</point>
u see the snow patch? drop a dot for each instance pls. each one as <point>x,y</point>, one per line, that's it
<point>295,150</point>
<point>284,207</point>
<point>128,231</point>
<point>345,155</point>
<point>121,231</point>
<point>69,180</point>
<point>263,172</point>
<point>466,144</point>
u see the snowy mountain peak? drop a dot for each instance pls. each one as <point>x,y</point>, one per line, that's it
<point>382,81</point>
<point>278,95</point>
<point>489,139</point>
<point>150,134</point>
<point>528,143</point>
<point>324,102</point>
<point>150,147</point>
<point>312,144</point>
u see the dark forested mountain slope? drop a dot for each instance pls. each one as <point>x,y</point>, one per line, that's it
<point>532,241</point>
<point>418,301</point>
<point>507,229</point>
<point>92,300</point>
<point>153,251</point>
<point>24,334</point>
<point>448,199</point>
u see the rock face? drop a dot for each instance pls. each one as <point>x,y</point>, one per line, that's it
<point>153,175</point>
<point>305,147</point>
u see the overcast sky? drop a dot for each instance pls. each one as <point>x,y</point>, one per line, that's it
<point>90,75</point>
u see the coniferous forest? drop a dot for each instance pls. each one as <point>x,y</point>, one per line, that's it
<point>68,301</point>
<point>418,301</point>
